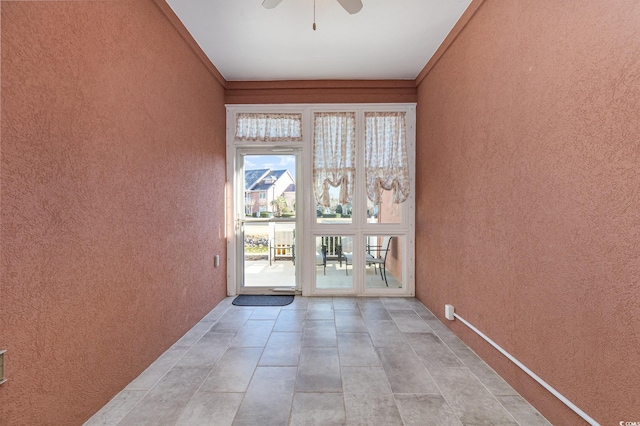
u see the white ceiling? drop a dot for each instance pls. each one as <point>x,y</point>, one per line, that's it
<point>387,39</point>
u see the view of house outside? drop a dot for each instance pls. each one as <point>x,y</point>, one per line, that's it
<point>270,192</point>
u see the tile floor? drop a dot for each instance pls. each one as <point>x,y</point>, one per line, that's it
<point>319,361</point>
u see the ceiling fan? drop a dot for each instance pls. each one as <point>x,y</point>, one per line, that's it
<point>351,6</point>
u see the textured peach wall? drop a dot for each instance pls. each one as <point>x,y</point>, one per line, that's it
<point>528,202</point>
<point>112,187</point>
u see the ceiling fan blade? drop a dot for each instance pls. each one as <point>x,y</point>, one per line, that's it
<point>351,6</point>
<point>270,4</point>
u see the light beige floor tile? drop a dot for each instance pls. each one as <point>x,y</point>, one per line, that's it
<point>522,411</point>
<point>319,370</point>
<point>425,410</point>
<point>116,409</point>
<point>218,311</point>
<point>356,350</point>
<point>409,322</point>
<point>156,371</point>
<point>193,335</point>
<point>207,351</point>
<point>385,333</point>
<point>232,320</point>
<point>433,353</point>
<point>317,409</point>
<point>208,408</point>
<point>345,303</point>
<point>405,372</point>
<point>365,380</point>
<point>396,303</point>
<point>299,303</point>
<point>373,311</point>
<point>484,373</point>
<point>290,320</point>
<point>165,402</point>
<point>320,311</point>
<point>350,322</point>
<point>254,333</point>
<point>469,399</point>
<point>234,370</point>
<point>269,397</point>
<point>371,410</point>
<point>319,333</point>
<point>283,349</point>
<point>265,313</point>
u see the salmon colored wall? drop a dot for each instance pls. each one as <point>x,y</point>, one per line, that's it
<point>320,91</point>
<point>112,186</point>
<point>528,208</point>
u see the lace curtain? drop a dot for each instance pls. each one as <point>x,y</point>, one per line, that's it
<point>334,149</point>
<point>269,127</point>
<point>386,166</point>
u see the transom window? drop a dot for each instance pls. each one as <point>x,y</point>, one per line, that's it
<point>268,127</point>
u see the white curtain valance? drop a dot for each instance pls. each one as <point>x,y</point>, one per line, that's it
<point>334,148</point>
<point>386,164</point>
<point>268,127</point>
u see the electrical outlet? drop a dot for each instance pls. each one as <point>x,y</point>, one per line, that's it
<point>449,312</point>
<point>2,377</point>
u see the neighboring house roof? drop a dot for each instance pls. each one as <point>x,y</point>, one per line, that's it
<point>290,188</point>
<point>264,184</point>
<point>252,177</point>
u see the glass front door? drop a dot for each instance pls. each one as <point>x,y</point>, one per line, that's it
<point>266,237</point>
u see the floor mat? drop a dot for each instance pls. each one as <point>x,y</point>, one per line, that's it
<point>252,300</point>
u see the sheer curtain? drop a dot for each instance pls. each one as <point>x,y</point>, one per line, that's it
<point>334,147</point>
<point>386,165</point>
<point>268,127</point>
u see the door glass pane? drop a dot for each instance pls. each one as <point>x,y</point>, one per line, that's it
<point>383,260</point>
<point>386,166</point>
<point>384,211</point>
<point>334,142</point>
<point>334,267</point>
<point>336,212</point>
<point>269,224</point>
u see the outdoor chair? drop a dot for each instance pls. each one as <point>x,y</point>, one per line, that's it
<point>379,261</point>
<point>321,258</point>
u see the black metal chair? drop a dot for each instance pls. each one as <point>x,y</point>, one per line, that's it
<point>321,258</point>
<point>379,261</point>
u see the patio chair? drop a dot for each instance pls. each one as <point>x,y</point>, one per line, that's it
<point>321,258</point>
<point>379,262</point>
<point>282,250</point>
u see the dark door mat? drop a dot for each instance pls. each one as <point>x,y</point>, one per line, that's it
<point>251,300</point>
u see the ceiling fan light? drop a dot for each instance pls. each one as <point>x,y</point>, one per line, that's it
<point>270,4</point>
<point>351,6</point>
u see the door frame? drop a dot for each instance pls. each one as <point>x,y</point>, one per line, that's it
<point>236,278</point>
<point>239,204</point>
<point>306,227</point>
